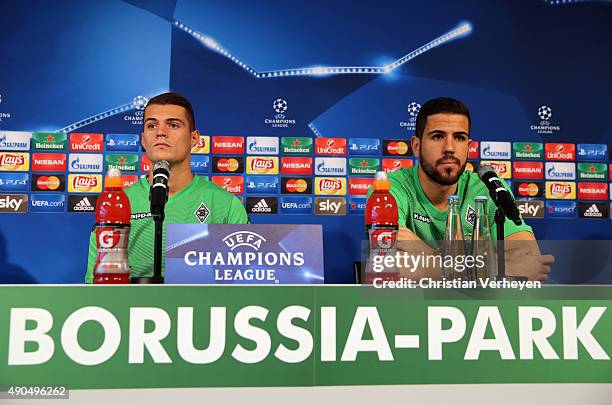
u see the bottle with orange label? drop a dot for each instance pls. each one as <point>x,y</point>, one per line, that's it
<point>112,232</point>
<point>381,222</point>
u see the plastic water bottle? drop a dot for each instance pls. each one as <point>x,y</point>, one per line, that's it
<point>112,232</point>
<point>453,244</point>
<point>482,243</point>
<point>381,222</point>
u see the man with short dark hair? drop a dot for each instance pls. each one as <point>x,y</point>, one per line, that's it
<point>169,134</point>
<point>441,143</point>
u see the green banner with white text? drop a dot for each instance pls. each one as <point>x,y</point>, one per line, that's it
<point>230,336</point>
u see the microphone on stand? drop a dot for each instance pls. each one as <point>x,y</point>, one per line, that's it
<point>159,188</point>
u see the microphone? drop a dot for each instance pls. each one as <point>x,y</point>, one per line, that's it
<point>500,195</point>
<point>159,188</point>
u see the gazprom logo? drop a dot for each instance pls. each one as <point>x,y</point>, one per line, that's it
<point>14,140</point>
<point>85,162</point>
<point>244,238</point>
<point>560,171</point>
<point>495,150</point>
<point>330,166</point>
<point>262,145</point>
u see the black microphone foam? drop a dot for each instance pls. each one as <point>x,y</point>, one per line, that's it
<point>500,195</point>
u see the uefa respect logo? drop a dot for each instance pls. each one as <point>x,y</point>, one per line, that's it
<point>413,110</point>
<point>545,126</point>
<point>280,120</point>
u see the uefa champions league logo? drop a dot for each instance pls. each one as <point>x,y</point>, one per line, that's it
<point>413,109</point>
<point>279,105</point>
<point>140,102</point>
<point>545,113</point>
<point>545,126</point>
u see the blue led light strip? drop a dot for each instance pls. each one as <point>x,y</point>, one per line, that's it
<point>462,30</point>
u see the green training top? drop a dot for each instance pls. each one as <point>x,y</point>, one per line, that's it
<point>418,214</point>
<point>201,201</point>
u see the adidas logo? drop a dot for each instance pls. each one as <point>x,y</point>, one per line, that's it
<point>593,211</point>
<point>83,205</point>
<point>261,206</point>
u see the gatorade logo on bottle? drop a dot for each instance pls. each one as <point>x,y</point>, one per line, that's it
<point>107,238</point>
<point>383,238</point>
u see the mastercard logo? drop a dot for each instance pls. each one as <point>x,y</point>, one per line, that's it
<point>228,165</point>
<point>50,183</point>
<point>297,185</point>
<point>528,189</point>
<point>397,148</point>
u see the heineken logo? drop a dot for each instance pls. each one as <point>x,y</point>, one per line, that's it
<point>51,141</point>
<point>297,145</point>
<point>124,162</point>
<point>363,166</point>
<point>592,171</point>
<point>528,150</point>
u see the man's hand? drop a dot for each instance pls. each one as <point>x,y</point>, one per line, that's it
<point>535,267</point>
<point>523,257</point>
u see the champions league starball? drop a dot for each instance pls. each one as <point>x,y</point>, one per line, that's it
<point>279,105</point>
<point>544,112</point>
<point>140,102</point>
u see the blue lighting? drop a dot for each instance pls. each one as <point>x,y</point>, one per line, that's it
<point>462,30</point>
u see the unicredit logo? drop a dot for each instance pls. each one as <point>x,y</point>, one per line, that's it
<point>86,142</point>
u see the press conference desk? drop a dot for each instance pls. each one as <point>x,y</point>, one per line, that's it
<point>309,343</point>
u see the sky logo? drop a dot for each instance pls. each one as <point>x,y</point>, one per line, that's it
<point>364,146</point>
<point>262,184</point>
<point>122,142</point>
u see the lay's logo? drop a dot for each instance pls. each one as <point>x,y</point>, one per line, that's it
<point>501,167</point>
<point>560,190</point>
<point>262,165</point>
<point>202,146</point>
<point>83,183</point>
<point>15,162</point>
<point>330,185</point>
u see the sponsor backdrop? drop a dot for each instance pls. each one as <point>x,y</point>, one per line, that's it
<point>293,122</point>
